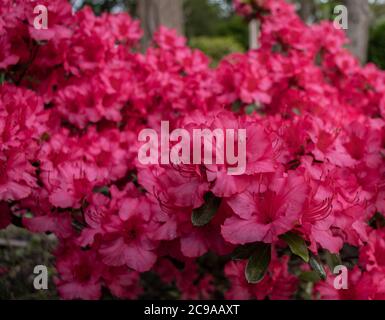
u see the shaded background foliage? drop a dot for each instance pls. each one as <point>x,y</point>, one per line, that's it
<point>213,27</point>
<point>377,44</point>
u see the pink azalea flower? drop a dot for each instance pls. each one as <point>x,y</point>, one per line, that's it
<point>79,274</point>
<point>266,211</point>
<point>127,240</point>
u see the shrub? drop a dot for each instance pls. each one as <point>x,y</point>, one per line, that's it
<point>76,96</point>
<point>216,47</point>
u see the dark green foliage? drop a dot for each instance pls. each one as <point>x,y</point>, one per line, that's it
<point>214,19</point>
<point>204,214</point>
<point>377,45</point>
<point>258,263</point>
<point>100,6</point>
<point>20,252</point>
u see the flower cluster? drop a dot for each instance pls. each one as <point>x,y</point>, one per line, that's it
<point>75,96</point>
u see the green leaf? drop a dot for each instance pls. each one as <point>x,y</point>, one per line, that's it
<point>309,276</point>
<point>203,215</point>
<point>250,109</point>
<point>297,245</point>
<point>45,137</point>
<point>258,263</point>
<point>103,190</point>
<point>28,215</point>
<point>332,260</point>
<point>377,221</point>
<point>317,267</point>
<point>2,78</point>
<point>296,111</point>
<point>244,252</point>
<point>236,107</point>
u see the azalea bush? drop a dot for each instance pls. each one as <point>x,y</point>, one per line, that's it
<point>74,97</point>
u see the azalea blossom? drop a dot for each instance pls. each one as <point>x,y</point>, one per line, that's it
<point>75,98</point>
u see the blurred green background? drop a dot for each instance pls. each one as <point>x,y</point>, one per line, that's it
<point>213,26</point>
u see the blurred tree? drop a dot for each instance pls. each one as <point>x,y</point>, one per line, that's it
<point>359,24</point>
<point>100,6</point>
<point>211,18</point>
<point>154,13</point>
<point>202,18</point>
<point>378,9</point>
<point>360,19</point>
<point>307,10</point>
